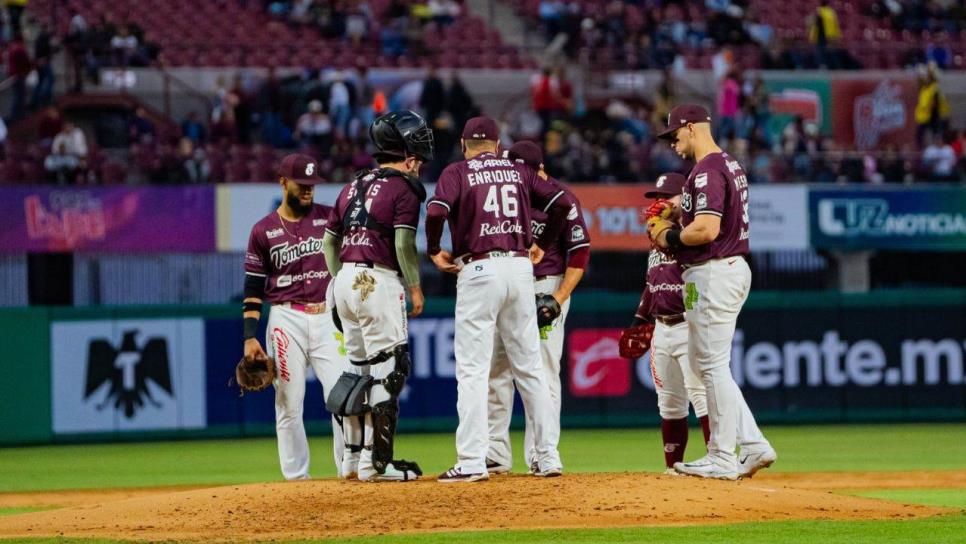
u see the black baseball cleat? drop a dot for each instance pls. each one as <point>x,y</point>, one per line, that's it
<point>496,468</point>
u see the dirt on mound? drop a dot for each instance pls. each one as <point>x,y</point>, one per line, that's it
<point>330,508</point>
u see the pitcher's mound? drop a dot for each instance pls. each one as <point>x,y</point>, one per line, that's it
<point>329,508</point>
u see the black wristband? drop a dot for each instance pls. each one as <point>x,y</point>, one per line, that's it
<point>673,239</point>
<point>249,328</point>
<point>252,307</point>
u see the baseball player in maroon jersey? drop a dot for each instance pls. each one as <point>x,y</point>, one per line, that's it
<point>370,244</point>
<point>556,276</point>
<point>487,201</point>
<point>711,248</point>
<point>659,325</point>
<point>285,266</point>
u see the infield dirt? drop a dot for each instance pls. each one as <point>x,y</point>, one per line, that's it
<point>331,508</point>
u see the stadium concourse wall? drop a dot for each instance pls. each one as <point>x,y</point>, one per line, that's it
<point>148,372</point>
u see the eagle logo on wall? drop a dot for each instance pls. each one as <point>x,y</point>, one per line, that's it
<point>127,370</point>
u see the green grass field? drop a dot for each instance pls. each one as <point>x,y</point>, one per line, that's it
<point>801,449</point>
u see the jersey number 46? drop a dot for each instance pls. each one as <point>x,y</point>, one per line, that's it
<point>507,195</point>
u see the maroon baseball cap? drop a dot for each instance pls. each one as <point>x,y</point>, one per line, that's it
<point>481,128</point>
<point>527,152</point>
<point>300,169</point>
<point>668,184</point>
<point>681,115</point>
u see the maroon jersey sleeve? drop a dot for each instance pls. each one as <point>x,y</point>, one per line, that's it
<point>447,192</point>
<point>709,193</point>
<point>543,193</point>
<point>575,229</point>
<point>406,212</point>
<point>256,258</point>
<point>333,223</point>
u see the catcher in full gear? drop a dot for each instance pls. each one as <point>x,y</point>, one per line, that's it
<point>370,244</point>
<point>659,326</point>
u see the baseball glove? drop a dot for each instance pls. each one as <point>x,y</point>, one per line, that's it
<point>636,340</point>
<point>548,309</point>
<point>659,208</point>
<point>658,217</point>
<point>255,375</point>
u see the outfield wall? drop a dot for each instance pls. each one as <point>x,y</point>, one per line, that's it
<point>127,373</point>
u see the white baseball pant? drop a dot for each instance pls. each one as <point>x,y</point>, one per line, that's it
<point>296,340</point>
<point>372,306</point>
<point>501,386</point>
<point>675,381</point>
<point>714,293</point>
<point>495,297</point>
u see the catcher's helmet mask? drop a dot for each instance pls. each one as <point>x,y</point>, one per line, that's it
<point>401,134</point>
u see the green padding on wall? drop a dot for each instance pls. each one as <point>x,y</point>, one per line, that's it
<point>25,394</point>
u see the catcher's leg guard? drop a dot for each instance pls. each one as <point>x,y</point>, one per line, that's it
<point>385,414</point>
<point>349,394</point>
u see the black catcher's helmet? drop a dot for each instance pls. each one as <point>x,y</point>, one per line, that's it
<point>399,134</point>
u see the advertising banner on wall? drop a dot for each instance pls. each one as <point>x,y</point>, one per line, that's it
<point>613,215</point>
<point>107,219</point>
<point>792,363</point>
<point>870,113</point>
<point>922,218</point>
<point>124,375</point>
<point>779,217</point>
<point>789,98</point>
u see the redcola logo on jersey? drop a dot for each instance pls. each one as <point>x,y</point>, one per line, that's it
<point>504,227</point>
<point>596,367</point>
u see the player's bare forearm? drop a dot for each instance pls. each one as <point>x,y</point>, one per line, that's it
<point>572,277</point>
<point>703,230</point>
<point>330,247</point>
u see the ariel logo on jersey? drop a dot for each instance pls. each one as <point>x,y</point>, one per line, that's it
<point>318,222</point>
<point>286,253</point>
<point>128,370</point>
<point>274,233</point>
<point>503,227</point>
<point>475,165</point>
<point>596,367</point>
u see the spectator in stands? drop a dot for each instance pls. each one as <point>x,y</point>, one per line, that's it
<point>18,68</point>
<point>194,162</point>
<point>269,105</point>
<point>44,49</point>
<point>237,98</point>
<point>357,23</point>
<point>124,46</point>
<point>340,106</point>
<point>140,128</point>
<point>193,129</point>
<point>15,9</point>
<point>729,95</point>
<point>932,108</point>
<point>459,103</point>
<point>940,158</point>
<point>49,126</point>
<point>550,94</point>
<point>314,129</point>
<point>893,167</point>
<point>77,46</point>
<point>432,100</point>
<point>68,155</point>
<point>824,32</point>
<point>551,15</point>
<point>444,12</point>
<point>169,167</point>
